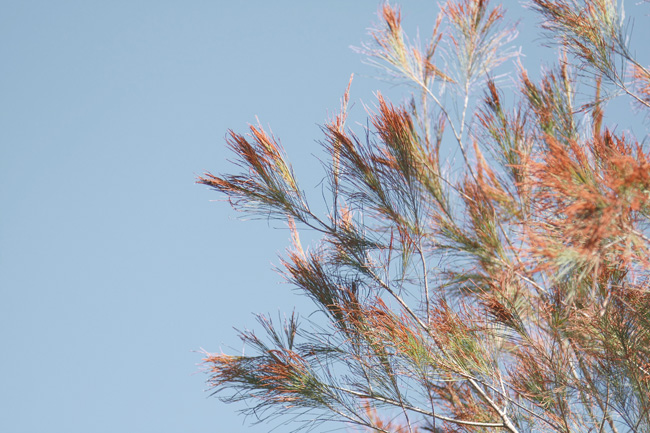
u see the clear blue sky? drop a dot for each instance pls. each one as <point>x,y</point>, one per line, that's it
<point>114,266</point>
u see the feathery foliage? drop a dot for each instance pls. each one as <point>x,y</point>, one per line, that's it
<point>505,291</point>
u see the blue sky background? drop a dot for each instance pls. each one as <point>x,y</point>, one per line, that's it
<point>115,268</point>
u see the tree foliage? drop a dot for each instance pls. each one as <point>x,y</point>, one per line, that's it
<point>503,290</point>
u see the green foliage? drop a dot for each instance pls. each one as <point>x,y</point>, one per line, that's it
<point>509,292</point>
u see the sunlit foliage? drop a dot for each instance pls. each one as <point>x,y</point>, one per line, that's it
<point>504,290</point>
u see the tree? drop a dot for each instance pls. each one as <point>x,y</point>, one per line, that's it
<point>506,290</point>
